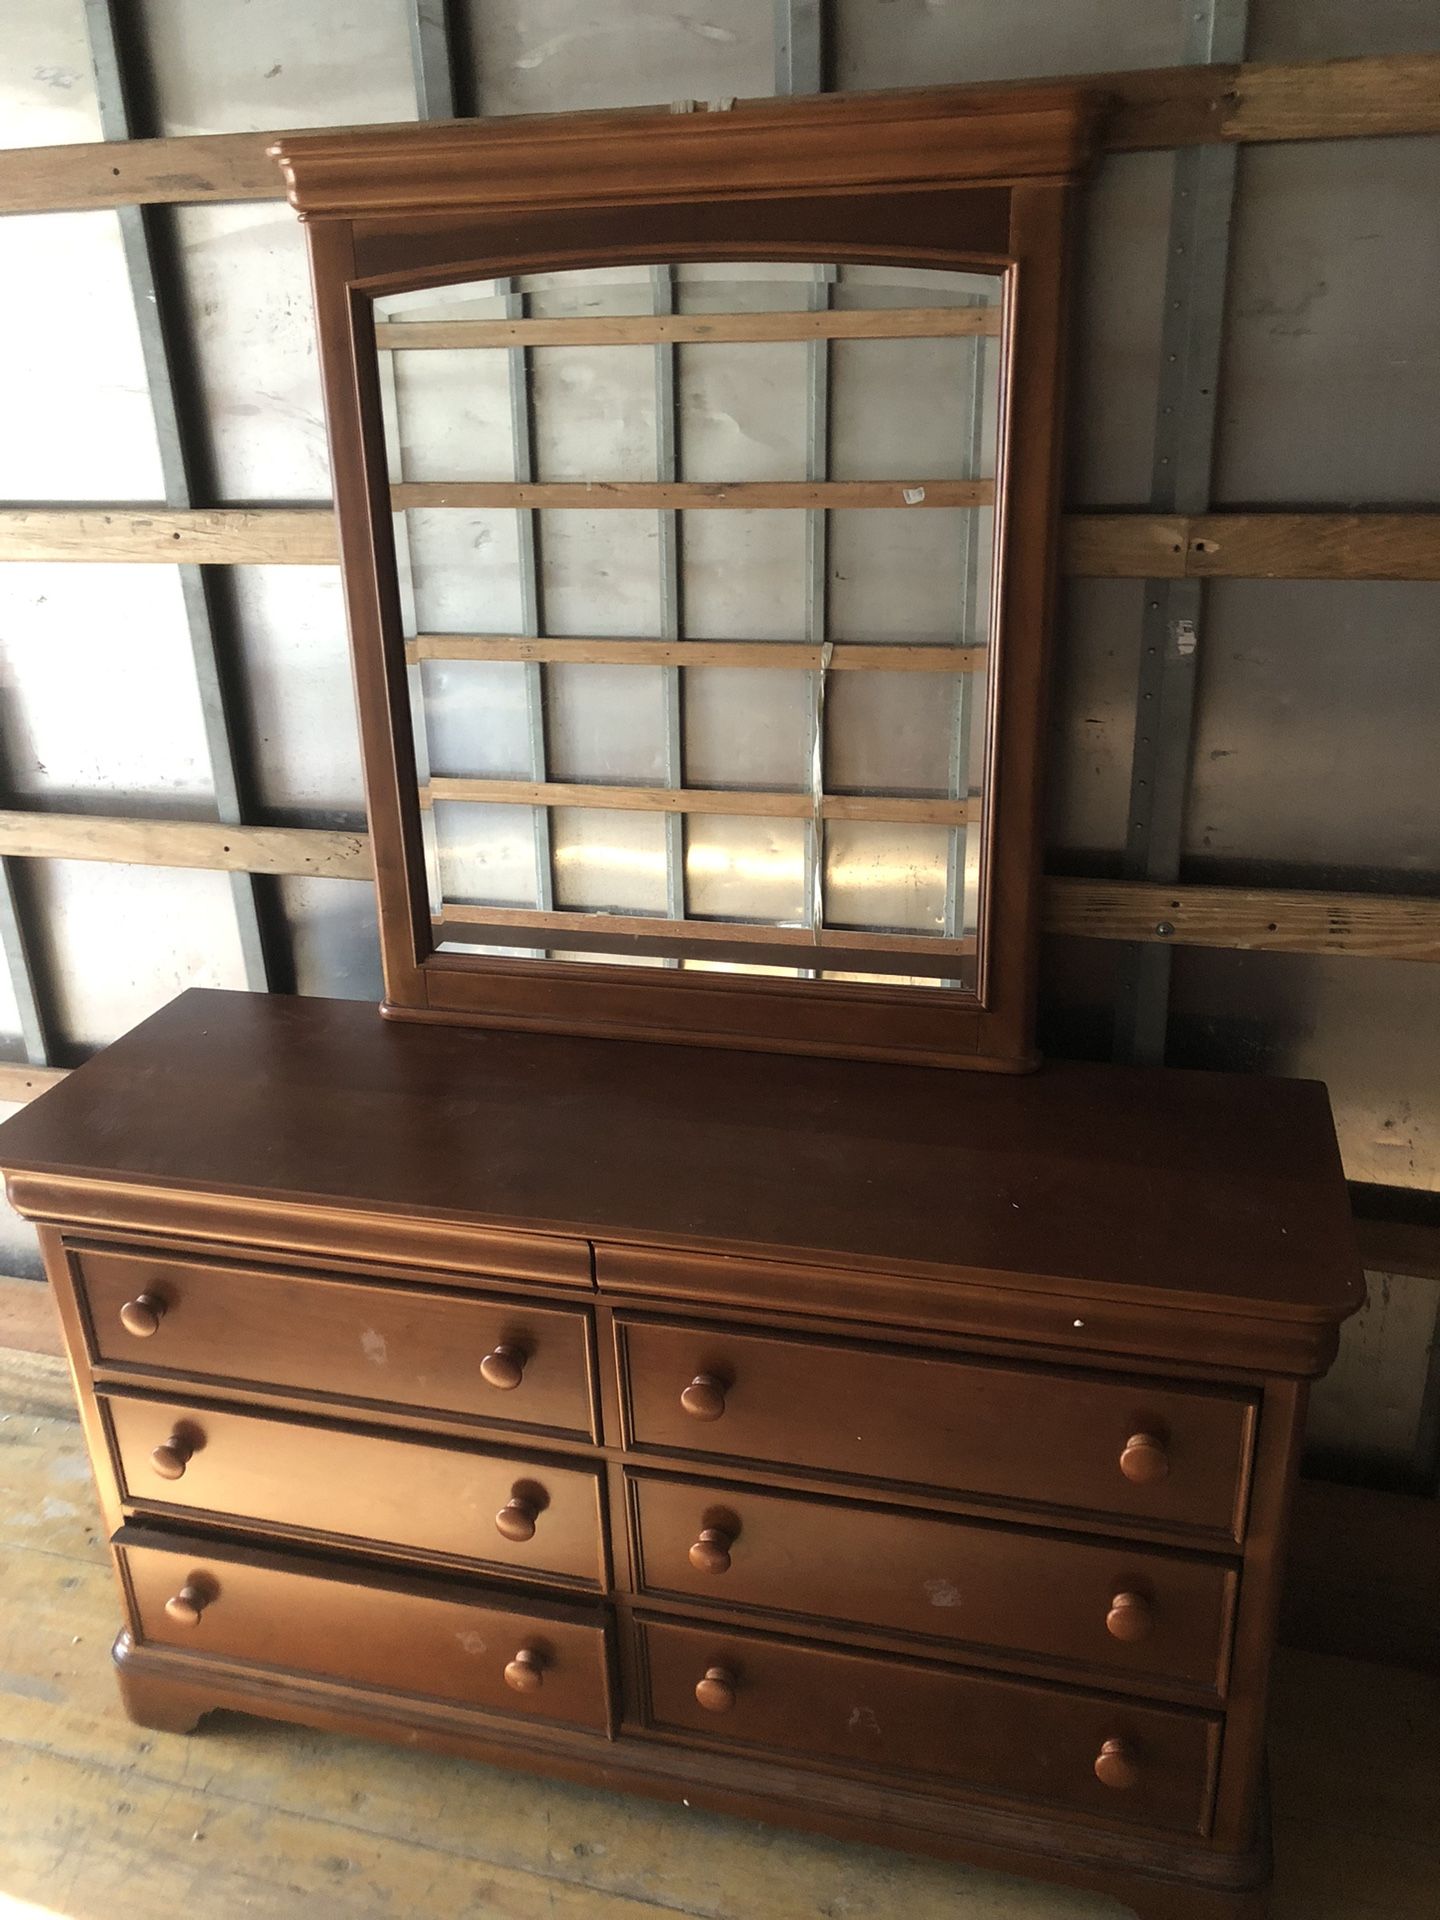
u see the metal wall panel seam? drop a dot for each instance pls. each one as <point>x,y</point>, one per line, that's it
<point>799,46</point>
<point>672,613</point>
<point>431,61</point>
<point>800,68</point>
<point>1198,245</point>
<point>522,453</point>
<point>137,229</point>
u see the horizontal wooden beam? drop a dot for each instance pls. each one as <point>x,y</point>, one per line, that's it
<point>1262,920</point>
<point>1162,107</point>
<point>1106,546</point>
<point>708,800</point>
<point>1275,920</point>
<point>662,329</point>
<point>315,851</point>
<point>19,1082</point>
<point>681,495</point>
<point>213,536</point>
<point>1253,546</point>
<point>793,656</point>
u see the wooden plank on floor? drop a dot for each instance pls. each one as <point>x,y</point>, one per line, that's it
<point>28,1320</point>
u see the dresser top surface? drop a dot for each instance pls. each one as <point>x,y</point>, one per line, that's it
<point>1220,1187</point>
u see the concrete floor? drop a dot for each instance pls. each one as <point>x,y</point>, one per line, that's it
<point>100,1820</point>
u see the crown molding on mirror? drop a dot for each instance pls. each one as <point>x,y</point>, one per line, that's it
<point>828,143</point>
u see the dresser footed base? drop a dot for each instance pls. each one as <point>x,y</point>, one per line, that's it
<point>174,1693</point>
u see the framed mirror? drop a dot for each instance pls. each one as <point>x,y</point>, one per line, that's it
<point>697,528</point>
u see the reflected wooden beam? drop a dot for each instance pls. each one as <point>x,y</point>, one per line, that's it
<point>663,329</point>
<point>649,496</point>
<point>726,801</point>
<point>629,926</point>
<point>1163,107</point>
<point>784,655</point>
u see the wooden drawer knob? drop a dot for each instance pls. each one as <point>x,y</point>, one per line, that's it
<point>1116,1765</point>
<point>526,1672</point>
<point>716,1691</point>
<point>704,1398</point>
<point>711,1552</point>
<point>142,1315</point>
<point>171,1459</point>
<point>186,1606</point>
<point>516,1519</point>
<point>1144,1460</point>
<point>504,1368</point>
<point>1131,1617</point>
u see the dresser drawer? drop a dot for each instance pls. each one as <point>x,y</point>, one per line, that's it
<point>468,1647</point>
<point>431,1497</point>
<point>505,1361</point>
<point>1047,1436</point>
<point>1140,1614</point>
<point>1007,1738</point>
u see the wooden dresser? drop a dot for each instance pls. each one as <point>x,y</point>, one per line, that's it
<point>896,1453</point>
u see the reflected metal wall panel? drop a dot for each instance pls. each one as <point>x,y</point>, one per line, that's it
<point>705,374</point>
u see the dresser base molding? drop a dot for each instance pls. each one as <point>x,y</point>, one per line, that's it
<point>172,1693</point>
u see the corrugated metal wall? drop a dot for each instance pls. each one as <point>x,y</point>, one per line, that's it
<point>1313,759</point>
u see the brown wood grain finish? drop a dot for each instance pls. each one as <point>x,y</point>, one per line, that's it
<point>943,1579</point>
<point>1006,1738</point>
<point>1021,1434</point>
<point>362,1341</point>
<point>436,1498</point>
<point>400,210</point>
<point>412,1637</point>
<point>897,1452</point>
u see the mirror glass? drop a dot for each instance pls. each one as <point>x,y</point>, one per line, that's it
<point>696,575</point>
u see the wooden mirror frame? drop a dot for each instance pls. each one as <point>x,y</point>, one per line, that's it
<point>934,178</point>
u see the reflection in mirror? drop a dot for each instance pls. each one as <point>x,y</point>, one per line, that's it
<point>696,570</point>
